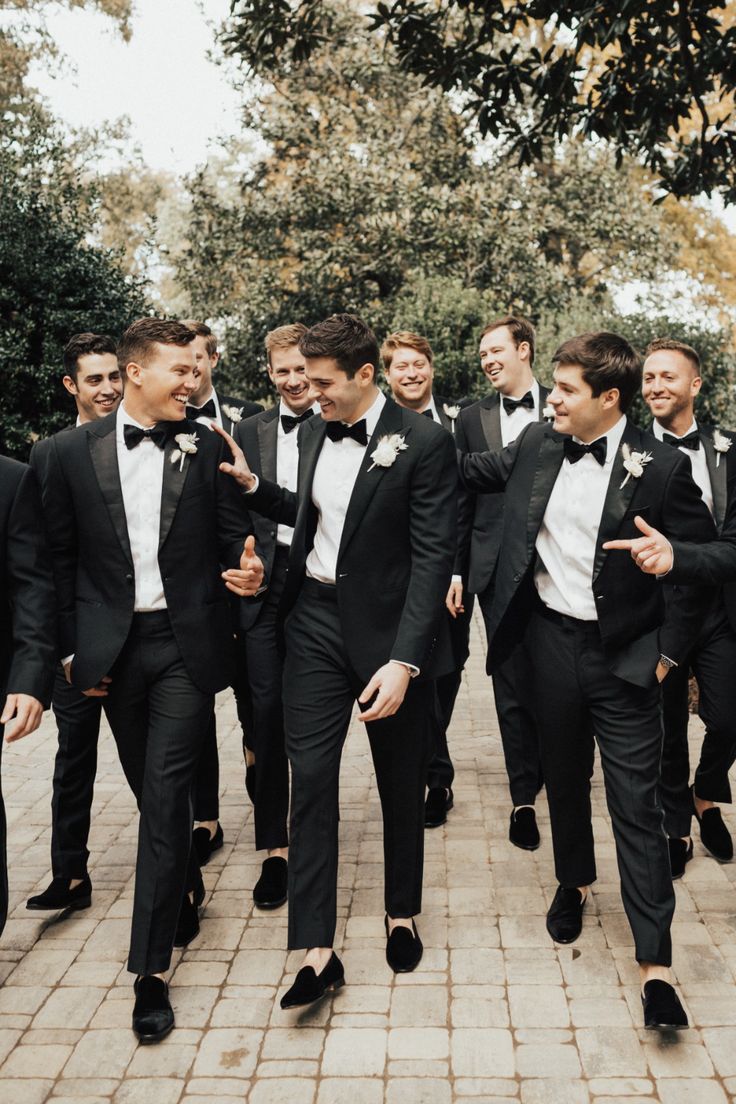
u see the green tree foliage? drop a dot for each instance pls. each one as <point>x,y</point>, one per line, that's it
<point>53,282</point>
<point>654,79</point>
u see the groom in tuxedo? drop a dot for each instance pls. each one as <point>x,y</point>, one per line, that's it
<point>369,566</point>
<point>600,637</point>
<point>140,520</point>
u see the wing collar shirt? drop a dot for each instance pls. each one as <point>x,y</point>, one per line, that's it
<point>141,479</point>
<point>287,464</point>
<point>512,424</point>
<point>568,537</point>
<point>334,478</point>
<point>698,463</point>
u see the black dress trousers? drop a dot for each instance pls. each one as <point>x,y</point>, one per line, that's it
<point>320,689</point>
<point>78,725</point>
<point>159,720</point>
<point>573,689</point>
<point>3,839</point>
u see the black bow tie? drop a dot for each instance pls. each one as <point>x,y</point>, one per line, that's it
<point>510,405</point>
<point>428,414</point>
<point>207,411</point>
<point>574,450</point>
<point>291,421</point>
<point>337,430</point>
<point>159,434</point>
<point>691,441</point>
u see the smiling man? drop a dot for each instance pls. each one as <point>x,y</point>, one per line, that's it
<point>139,521</point>
<point>92,375</point>
<point>600,641</point>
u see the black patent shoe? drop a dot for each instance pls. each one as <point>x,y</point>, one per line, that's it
<point>205,845</point>
<point>270,890</point>
<point>309,986</point>
<point>187,927</point>
<point>565,915</point>
<point>153,1017</point>
<point>662,1008</point>
<point>714,834</point>
<point>523,831</point>
<point>59,896</point>
<point>680,855</point>
<point>438,804</point>
<point>404,948</point>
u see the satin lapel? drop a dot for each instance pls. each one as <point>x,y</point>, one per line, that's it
<point>267,444</point>
<point>549,462</point>
<point>367,481</point>
<point>490,422</point>
<point>618,498</point>
<point>104,455</point>
<point>718,473</point>
<point>175,476</point>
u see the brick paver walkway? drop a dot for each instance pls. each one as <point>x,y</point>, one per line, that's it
<point>494,1013</point>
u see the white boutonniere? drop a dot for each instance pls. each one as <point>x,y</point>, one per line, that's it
<point>187,443</point>
<point>234,413</point>
<point>451,411</point>
<point>720,444</point>
<point>548,412</point>
<point>634,462</point>
<point>386,451</point>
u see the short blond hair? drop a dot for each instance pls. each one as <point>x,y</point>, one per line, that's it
<point>669,344</point>
<point>284,337</point>
<point>404,339</point>
<point>201,329</point>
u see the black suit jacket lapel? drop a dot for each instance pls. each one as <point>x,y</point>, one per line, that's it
<point>543,393</point>
<point>490,422</point>
<point>102,444</point>
<point>618,497</point>
<point>549,462</point>
<point>268,429</point>
<point>718,472</point>
<point>367,481</point>
<point>175,476</point>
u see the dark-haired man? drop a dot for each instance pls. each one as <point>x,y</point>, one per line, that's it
<point>92,376</point>
<point>600,637</point>
<point>507,348</point>
<point>408,365</point>
<point>139,521</point>
<point>369,565</point>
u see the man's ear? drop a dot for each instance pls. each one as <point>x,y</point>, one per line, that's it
<point>70,385</point>
<point>133,373</point>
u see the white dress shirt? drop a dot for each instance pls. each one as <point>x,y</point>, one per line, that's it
<point>218,413</point>
<point>698,462</point>
<point>512,424</point>
<point>432,407</point>
<point>334,478</point>
<point>141,479</point>
<point>287,463</point>
<point>568,536</point>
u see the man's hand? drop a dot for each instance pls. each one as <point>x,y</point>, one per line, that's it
<point>652,552</point>
<point>100,690</point>
<point>247,579</point>
<point>67,668</point>
<point>26,711</point>
<point>239,469</point>
<point>390,682</point>
<point>454,599</point>
<point>661,671</point>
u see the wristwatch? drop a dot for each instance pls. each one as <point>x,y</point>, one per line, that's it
<point>667,662</point>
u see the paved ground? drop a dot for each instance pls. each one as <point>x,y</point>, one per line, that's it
<point>494,1013</point>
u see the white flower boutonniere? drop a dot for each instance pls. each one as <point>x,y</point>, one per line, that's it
<point>451,411</point>
<point>634,462</point>
<point>720,444</point>
<point>187,443</point>
<point>234,413</point>
<point>386,451</point>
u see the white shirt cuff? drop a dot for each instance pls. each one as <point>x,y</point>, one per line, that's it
<point>456,579</point>
<point>67,659</point>
<point>255,486</point>
<point>411,668</point>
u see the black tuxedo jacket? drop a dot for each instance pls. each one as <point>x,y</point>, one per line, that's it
<point>28,649</point>
<point>635,627</point>
<point>204,522</point>
<point>245,408</point>
<point>480,516</point>
<point>395,559</point>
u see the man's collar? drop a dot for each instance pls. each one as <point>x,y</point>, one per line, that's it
<point>659,430</point>
<point>613,438</point>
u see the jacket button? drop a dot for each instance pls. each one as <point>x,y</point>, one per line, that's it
<point>129,578</point>
<point>517,578</point>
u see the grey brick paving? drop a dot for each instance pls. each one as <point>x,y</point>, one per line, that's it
<point>494,1013</point>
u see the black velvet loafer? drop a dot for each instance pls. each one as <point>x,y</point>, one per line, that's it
<point>153,1017</point>
<point>187,927</point>
<point>662,1008</point>
<point>680,855</point>
<point>523,831</point>
<point>205,845</point>
<point>565,915</point>
<point>270,890</point>
<point>309,986</point>
<point>404,948</point>
<point>59,896</point>
<point>714,834</point>
<point>438,804</point>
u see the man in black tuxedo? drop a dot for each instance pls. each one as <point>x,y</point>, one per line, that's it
<point>27,621</point>
<point>205,405</point>
<point>269,440</point>
<point>507,348</point>
<point>671,383</point>
<point>140,521</point>
<point>408,365</point>
<point>599,634</point>
<point>369,565</point>
<point>92,377</point>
